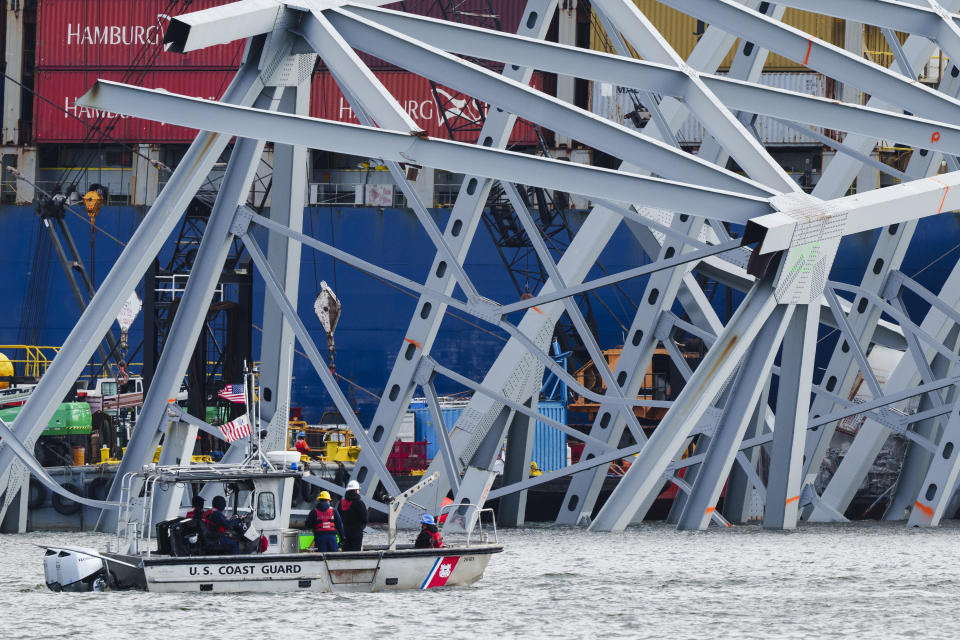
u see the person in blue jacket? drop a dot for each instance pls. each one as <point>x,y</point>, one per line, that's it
<point>220,526</point>
<point>326,525</point>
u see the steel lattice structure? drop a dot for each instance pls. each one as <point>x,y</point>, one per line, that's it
<point>677,205</point>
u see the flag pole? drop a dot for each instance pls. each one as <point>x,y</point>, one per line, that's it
<point>256,423</point>
<point>247,405</point>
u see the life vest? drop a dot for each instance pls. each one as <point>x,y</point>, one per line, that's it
<point>325,521</point>
<point>302,447</point>
<point>437,539</point>
<point>204,515</point>
<point>345,505</point>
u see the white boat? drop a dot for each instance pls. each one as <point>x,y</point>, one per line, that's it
<point>174,556</point>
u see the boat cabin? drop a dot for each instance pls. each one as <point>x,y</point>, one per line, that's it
<point>257,507</point>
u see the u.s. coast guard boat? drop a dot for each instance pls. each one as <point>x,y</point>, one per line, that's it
<point>179,556</point>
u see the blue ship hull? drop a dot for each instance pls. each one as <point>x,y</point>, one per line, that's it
<point>375,315</point>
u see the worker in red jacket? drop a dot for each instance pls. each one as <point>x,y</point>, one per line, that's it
<point>301,445</point>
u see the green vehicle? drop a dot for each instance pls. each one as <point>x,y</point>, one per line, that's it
<point>70,419</point>
<point>71,425</point>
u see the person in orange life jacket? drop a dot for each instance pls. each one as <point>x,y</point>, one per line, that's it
<point>353,514</point>
<point>220,526</point>
<point>325,523</point>
<point>301,445</point>
<point>429,536</point>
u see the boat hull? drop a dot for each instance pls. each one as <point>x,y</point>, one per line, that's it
<point>364,571</point>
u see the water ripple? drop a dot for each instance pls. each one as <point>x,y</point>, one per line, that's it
<point>843,581</point>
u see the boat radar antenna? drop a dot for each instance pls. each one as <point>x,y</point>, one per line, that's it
<point>251,399</point>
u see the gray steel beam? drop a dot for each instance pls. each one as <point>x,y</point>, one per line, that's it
<point>941,477</point>
<point>516,467</point>
<point>639,485</point>
<point>790,426</point>
<point>843,169</point>
<point>443,436</point>
<point>916,464</point>
<point>615,139</point>
<point>179,440</point>
<point>123,278</point>
<point>668,78</point>
<point>287,199</point>
<point>391,145</point>
<point>744,480</point>
<point>488,313</point>
<point>614,387</point>
<point>911,18</point>
<point>723,125</point>
<point>748,382</point>
<point>821,56</point>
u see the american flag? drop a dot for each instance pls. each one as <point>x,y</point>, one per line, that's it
<point>233,393</point>
<point>236,429</point>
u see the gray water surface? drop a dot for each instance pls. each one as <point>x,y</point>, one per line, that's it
<point>864,580</point>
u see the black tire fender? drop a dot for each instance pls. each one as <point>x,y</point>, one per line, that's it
<point>64,505</point>
<point>99,488</point>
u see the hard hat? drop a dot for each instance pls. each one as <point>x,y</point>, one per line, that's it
<point>323,496</point>
<point>301,434</point>
<point>353,485</point>
<point>427,519</point>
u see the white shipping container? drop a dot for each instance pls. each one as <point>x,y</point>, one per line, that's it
<point>617,103</point>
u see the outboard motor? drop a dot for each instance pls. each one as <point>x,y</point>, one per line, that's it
<point>73,570</point>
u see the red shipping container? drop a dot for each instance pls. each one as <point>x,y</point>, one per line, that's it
<point>120,33</point>
<point>63,88</point>
<point>415,95</point>
<point>105,34</point>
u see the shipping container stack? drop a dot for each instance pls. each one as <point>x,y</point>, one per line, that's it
<point>80,41</point>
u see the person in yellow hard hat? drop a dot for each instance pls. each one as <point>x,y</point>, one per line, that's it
<point>326,525</point>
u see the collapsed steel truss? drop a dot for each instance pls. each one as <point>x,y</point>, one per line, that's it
<point>675,204</point>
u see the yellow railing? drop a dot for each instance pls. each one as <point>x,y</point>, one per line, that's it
<point>33,360</point>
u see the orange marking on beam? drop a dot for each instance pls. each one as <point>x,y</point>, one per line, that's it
<point>793,499</point>
<point>946,190</point>
<point>537,310</point>
<point>413,342</point>
<point>806,58</point>
<point>710,510</point>
<point>935,137</point>
<point>927,510</point>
